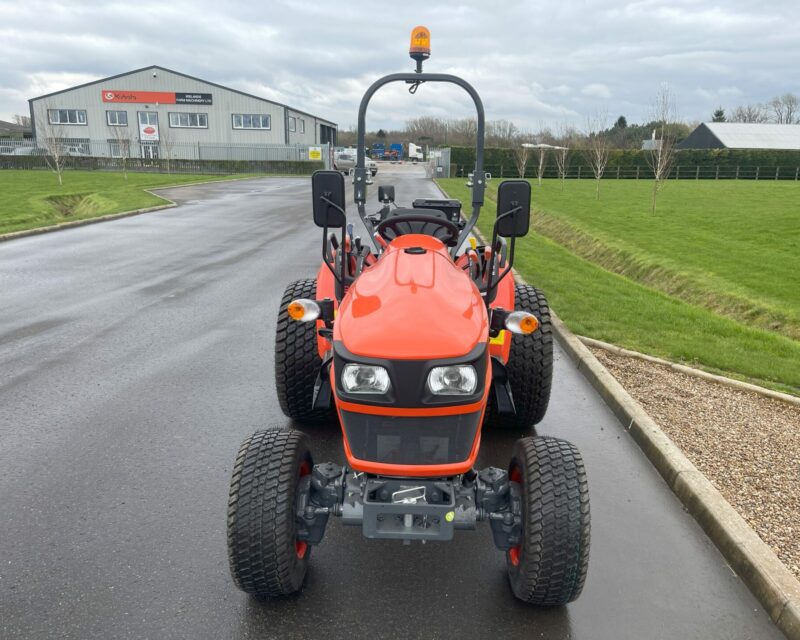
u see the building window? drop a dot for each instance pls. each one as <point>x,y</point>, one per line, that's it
<point>66,116</point>
<point>148,117</point>
<point>251,121</point>
<point>292,123</point>
<point>119,148</point>
<point>189,120</point>
<point>301,125</point>
<point>117,118</point>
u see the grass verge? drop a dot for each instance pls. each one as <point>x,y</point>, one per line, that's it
<point>597,303</point>
<point>31,199</point>
<point>730,246</point>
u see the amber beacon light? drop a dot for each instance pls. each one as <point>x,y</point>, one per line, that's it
<point>420,48</point>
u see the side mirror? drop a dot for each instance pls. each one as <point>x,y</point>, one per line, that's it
<point>386,193</point>
<point>513,208</point>
<point>327,188</point>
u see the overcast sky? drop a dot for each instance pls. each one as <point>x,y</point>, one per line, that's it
<point>535,62</point>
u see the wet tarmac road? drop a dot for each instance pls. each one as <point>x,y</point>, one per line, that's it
<point>134,357</point>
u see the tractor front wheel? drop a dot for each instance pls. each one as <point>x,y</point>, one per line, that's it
<point>530,364</point>
<point>266,559</point>
<point>297,360</point>
<point>548,567</point>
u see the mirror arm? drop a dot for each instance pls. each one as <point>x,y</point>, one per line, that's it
<point>491,284</point>
<point>339,279</point>
<point>362,213</point>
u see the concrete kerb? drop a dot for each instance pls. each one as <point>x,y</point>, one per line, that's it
<point>751,558</point>
<point>770,581</point>
<point>114,216</point>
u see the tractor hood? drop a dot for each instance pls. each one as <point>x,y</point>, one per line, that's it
<point>413,303</point>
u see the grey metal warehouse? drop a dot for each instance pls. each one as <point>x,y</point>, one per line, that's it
<point>743,135</point>
<point>155,111</point>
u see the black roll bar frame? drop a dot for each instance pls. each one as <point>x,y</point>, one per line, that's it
<point>360,171</point>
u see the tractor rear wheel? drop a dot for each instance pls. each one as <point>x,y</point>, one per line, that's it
<point>530,364</point>
<point>265,557</point>
<point>297,360</point>
<point>548,567</point>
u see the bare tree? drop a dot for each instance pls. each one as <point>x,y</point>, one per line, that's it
<point>501,133</point>
<point>566,139</point>
<point>122,145</point>
<point>521,153</point>
<point>426,127</point>
<point>785,109</point>
<point>54,144</point>
<point>463,132</point>
<point>599,146</point>
<point>23,121</point>
<point>662,152</point>
<point>540,151</point>
<point>749,113</point>
<point>166,142</point>
<point>562,164</point>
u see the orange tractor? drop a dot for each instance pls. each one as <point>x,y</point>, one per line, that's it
<point>414,346</point>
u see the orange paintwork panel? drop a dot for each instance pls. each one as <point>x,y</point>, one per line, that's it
<point>326,288</point>
<point>503,300</point>
<point>412,306</point>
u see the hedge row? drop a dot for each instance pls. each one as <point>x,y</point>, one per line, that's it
<point>632,158</point>
<point>285,167</point>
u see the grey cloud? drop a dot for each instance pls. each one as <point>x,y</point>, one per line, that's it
<point>532,61</point>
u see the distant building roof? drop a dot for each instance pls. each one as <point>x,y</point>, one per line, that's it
<point>651,145</point>
<point>13,130</point>
<point>743,135</point>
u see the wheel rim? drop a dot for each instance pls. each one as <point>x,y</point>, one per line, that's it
<point>300,546</point>
<point>515,552</point>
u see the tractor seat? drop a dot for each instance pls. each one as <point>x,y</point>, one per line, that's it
<point>417,226</point>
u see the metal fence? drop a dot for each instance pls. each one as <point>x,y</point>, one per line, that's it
<point>162,156</point>
<point>644,172</point>
<point>438,165</point>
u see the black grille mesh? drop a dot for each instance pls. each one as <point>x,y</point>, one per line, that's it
<point>415,440</point>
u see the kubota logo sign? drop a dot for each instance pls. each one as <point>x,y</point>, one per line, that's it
<point>155,97</point>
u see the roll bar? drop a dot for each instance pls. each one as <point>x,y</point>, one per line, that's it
<point>360,172</point>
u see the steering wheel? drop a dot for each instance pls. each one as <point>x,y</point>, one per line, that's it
<point>402,225</point>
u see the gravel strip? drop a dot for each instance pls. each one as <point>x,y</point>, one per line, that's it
<point>748,445</point>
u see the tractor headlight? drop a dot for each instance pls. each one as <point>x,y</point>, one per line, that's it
<point>459,380</point>
<point>365,378</point>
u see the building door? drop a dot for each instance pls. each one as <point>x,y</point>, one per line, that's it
<point>150,152</point>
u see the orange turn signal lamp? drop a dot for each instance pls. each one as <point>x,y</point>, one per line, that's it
<point>303,310</point>
<point>420,48</point>
<point>521,322</point>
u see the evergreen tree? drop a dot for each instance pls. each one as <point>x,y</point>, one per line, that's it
<point>719,115</point>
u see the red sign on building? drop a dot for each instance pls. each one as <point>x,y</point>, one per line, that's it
<point>153,97</point>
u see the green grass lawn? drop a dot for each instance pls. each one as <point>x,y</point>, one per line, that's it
<point>596,302</point>
<point>730,246</point>
<point>30,199</point>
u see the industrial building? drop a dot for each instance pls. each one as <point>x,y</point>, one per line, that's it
<point>743,135</point>
<point>14,131</point>
<point>154,112</point>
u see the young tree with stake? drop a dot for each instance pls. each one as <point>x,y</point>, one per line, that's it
<point>599,146</point>
<point>123,146</point>
<point>662,154</point>
<point>52,141</point>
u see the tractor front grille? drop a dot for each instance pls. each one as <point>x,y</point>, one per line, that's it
<point>410,441</point>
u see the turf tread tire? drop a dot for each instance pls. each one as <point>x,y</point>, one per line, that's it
<point>529,366</point>
<point>261,513</point>
<point>297,360</point>
<point>554,550</point>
